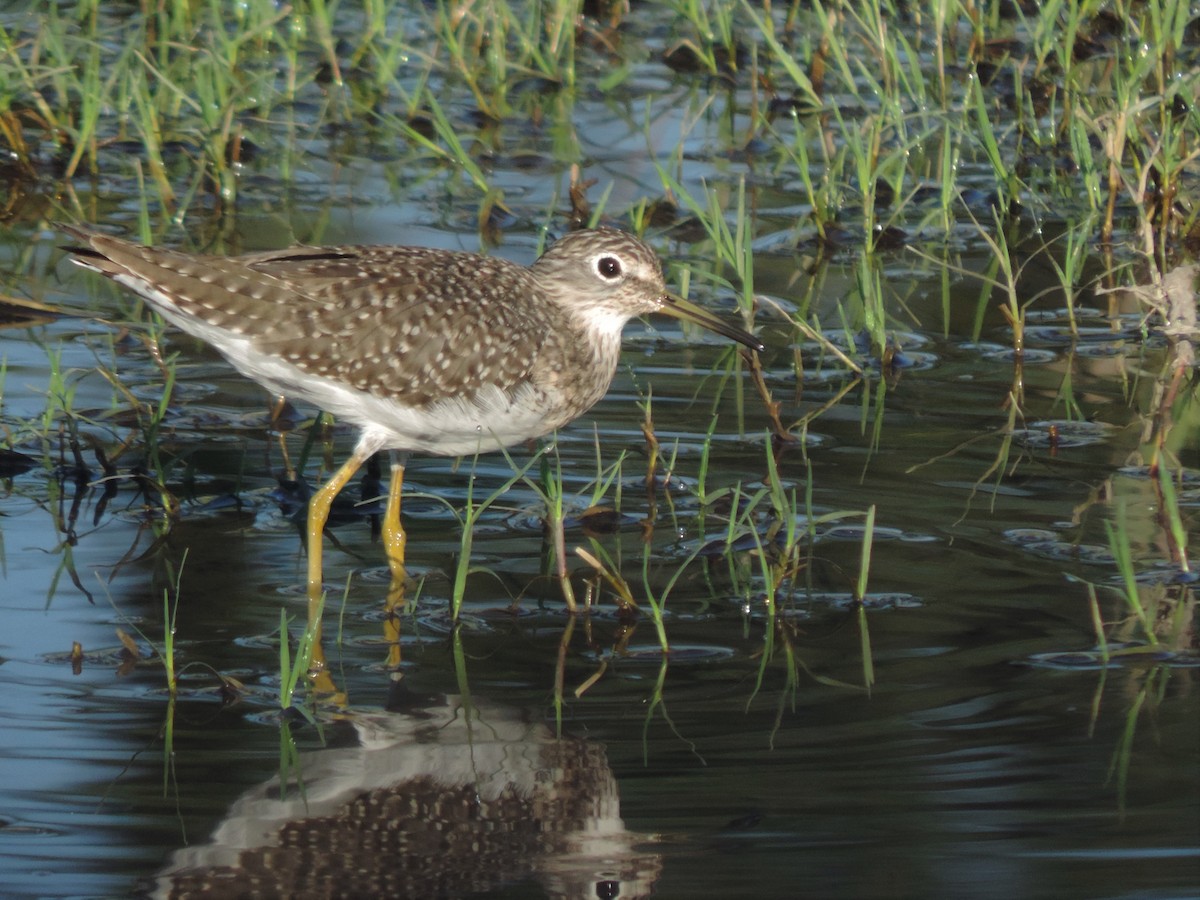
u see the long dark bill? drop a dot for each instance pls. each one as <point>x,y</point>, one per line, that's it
<point>676,307</point>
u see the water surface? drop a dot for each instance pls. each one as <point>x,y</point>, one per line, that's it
<point>995,755</point>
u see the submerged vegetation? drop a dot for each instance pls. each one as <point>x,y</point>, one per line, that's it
<point>1035,165</point>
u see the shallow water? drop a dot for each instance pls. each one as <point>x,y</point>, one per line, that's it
<point>982,762</point>
<point>995,755</point>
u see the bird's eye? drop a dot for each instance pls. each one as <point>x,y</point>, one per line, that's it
<point>609,268</point>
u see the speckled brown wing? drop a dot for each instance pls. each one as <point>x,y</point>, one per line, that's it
<point>222,294</point>
<point>407,323</point>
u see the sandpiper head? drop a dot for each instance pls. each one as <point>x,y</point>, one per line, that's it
<point>608,274</point>
<point>603,269</point>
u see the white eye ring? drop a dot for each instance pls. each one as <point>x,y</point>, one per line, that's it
<point>609,267</point>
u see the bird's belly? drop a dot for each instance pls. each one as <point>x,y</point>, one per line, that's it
<point>452,427</point>
<point>456,426</point>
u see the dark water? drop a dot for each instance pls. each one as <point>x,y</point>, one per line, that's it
<point>981,763</point>
<point>994,756</point>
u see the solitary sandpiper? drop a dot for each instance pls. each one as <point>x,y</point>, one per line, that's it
<point>426,351</point>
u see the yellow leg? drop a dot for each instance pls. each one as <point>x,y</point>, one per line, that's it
<point>276,411</point>
<point>394,542</point>
<point>394,538</point>
<point>318,515</point>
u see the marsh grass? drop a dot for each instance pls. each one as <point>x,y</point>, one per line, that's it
<point>473,510</point>
<point>1160,610</point>
<point>1119,543</point>
<point>1158,623</point>
<point>192,77</point>
<point>860,593</point>
<point>920,125</point>
<point>783,550</point>
<point>294,670</point>
<point>166,650</point>
<point>549,486</point>
<point>65,435</point>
